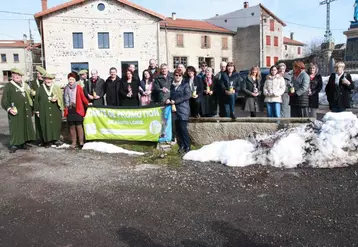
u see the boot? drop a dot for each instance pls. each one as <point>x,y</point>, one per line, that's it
<point>81,136</point>
<point>73,136</point>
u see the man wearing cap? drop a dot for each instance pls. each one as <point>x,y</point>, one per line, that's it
<point>17,101</point>
<point>48,107</point>
<point>95,89</point>
<point>83,78</point>
<point>35,84</point>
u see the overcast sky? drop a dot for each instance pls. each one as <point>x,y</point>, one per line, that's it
<point>306,18</point>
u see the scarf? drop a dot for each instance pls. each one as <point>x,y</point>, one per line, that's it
<point>191,84</point>
<point>312,76</point>
<point>208,81</point>
<point>70,95</point>
<point>176,84</point>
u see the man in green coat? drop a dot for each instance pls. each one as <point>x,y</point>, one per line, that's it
<point>35,84</point>
<point>48,108</point>
<point>17,101</point>
<point>83,77</point>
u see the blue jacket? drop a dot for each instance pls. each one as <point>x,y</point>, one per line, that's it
<point>181,96</point>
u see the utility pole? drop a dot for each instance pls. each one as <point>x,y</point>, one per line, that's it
<point>328,34</point>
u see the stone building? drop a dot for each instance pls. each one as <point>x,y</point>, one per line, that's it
<point>293,48</point>
<point>191,42</point>
<point>14,53</point>
<point>259,36</point>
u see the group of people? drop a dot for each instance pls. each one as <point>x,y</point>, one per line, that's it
<point>190,93</point>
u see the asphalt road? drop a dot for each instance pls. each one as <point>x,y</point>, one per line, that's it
<point>68,198</point>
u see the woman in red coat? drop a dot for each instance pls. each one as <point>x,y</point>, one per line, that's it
<point>75,103</point>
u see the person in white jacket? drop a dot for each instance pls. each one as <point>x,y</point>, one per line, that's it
<point>273,89</point>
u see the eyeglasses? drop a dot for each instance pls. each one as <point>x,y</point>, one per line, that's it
<point>177,75</point>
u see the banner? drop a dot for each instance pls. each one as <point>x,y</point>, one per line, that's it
<point>134,124</point>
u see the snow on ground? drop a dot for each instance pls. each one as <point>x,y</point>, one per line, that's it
<point>323,97</point>
<point>108,148</point>
<point>327,144</point>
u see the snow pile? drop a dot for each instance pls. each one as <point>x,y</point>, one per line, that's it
<point>330,143</point>
<point>108,148</point>
<point>323,97</point>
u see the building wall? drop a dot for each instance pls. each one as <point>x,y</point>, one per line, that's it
<point>192,47</point>
<point>86,18</point>
<point>24,64</point>
<point>292,51</point>
<point>247,47</point>
<point>238,19</point>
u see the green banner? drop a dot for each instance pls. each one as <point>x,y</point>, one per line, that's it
<point>139,124</point>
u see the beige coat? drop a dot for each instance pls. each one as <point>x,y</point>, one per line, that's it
<point>274,88</point>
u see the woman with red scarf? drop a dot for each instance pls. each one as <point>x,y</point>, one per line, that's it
<point>299,99</point>
<point>208,101</point>
<point>75,103</point>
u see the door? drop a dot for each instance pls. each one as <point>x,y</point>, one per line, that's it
<point>77,67</point>
<point>210,62</point>
<point>6,75</point>
<point>125,65</point>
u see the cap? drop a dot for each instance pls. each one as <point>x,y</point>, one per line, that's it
<point>17,71</point>
<point>41,70</point>
<point>49,76</point>
<point>84,71</point>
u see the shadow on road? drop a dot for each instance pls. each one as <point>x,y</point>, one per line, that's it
<point>4,139</point>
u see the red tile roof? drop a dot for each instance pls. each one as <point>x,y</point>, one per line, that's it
<point>272,14</point>
<point>288,41</point>
<point>75,2</point>
<point>193,25</point>
<point>13,43</point>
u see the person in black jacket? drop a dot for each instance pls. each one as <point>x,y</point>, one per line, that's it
<point>196,88</point>
<point>339,89</point>
<point>251,88</point>
<point>230,86</point>
<point>94,89</point>
<point>208,102</point>
<point>113,83</point>
<point>316,85</point>
<point>162,84</point>
<point>180,95</point>
<point>129,90</point>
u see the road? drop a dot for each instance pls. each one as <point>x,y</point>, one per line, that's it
<point>62,198</point>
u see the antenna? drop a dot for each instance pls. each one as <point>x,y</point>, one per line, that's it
<point>328,34</point>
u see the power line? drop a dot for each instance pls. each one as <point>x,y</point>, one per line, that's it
<point>8,36</point>
<point>15,13</point>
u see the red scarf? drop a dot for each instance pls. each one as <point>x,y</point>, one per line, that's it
<point>208,81</point>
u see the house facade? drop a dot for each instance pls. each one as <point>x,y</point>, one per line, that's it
<point>293,48</point>
<point>259,38</point>
<point>98,34</point>
<point>191,42</point>
<point>15,55</point>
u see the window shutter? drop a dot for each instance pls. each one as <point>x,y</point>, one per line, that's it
<point>275,60</point>
<point>268,40</point>
<point>272,25</point>
<point>202,42</point>
<point>209,42</point>
<point>268,61</point>
<point>276,41</point>
<point>299,50</point>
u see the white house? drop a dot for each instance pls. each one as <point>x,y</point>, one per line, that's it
<point>293,48</point>
<point>15,55</point>
<point>98,34</point>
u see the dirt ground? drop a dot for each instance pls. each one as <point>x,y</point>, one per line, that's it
<point>63,198</point>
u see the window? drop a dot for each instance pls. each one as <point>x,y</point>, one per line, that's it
<point>224,59</point>
<point>77,40</point>
<point>285,47</point>
<point>76,67</point>
<point>225,43</point>
<point>299,50</point>
<point>179,60</point>
<point>180,40</point>
<point>272,25</point>
<point>205,42</point>
<point>128,40</point>
<point>3,58</point>
<point>16,58</point>
<point>101,6</point>
<point>268,61</point>
<point>200,60</point>
<point>275,60</point>
<point>268,40</point>
<point>103,40</point>
<point>275,41</point>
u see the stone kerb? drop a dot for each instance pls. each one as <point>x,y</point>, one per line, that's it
<point>204,131</point>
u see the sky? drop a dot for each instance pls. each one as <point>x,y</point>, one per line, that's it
<point>306,18</point>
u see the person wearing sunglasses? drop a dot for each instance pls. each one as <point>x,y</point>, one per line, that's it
<point>180,95</point>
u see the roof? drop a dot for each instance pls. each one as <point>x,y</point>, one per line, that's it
<point>193,25</point>
<point>76,2</point>
<point>272,14</point>
<point>13,43</point>
<point>289,41</point>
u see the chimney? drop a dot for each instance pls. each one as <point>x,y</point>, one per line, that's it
<point>25,38</point>
<point>216,14</point>
<point>174,16</point>
<point>246,5</point>
<point>291,35</point>
<point>44,4</point>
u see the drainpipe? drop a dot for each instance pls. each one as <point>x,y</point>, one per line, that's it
<point>262,42</point>
<point>166,44</point>
<point>158,42</point>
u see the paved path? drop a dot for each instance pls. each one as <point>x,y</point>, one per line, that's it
<point>61,198</point>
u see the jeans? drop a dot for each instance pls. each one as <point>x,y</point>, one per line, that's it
<point>273,109</point>
<point>338,109</point>
<point>182,134</point>
<point>229,109</point>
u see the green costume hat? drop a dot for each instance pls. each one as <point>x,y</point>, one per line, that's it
<point>84,71</point>
<point>17,71</point>
<point>49,76</point>
<point>41,70</point>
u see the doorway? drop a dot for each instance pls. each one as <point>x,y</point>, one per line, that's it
<point>6,75</point>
